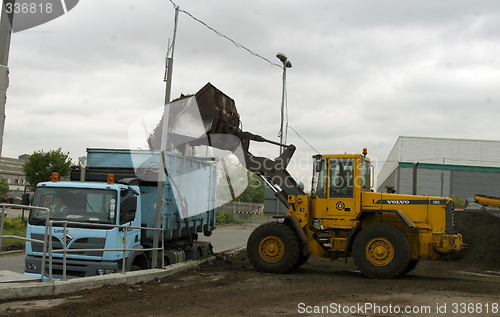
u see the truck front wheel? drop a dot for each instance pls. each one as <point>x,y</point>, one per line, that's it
<point>381,251</point>
<point>273,247</point>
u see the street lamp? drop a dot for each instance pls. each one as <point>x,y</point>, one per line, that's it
<point>286,64</point>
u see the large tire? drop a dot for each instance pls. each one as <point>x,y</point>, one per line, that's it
<point>302,260</point>
<point>273,247</point>
<point>411,266</point>
<point>209,250</point>
<point>197,253</point>
<point>381,251</point>
<point>135,268</point>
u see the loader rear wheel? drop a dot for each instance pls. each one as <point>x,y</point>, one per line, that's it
<point>381,251</point>
<point>273,247</point>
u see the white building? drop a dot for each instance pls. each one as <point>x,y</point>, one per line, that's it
<point>11,170</point>
<point>446,167</point>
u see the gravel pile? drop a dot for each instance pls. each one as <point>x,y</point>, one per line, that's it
<point>481,234</point>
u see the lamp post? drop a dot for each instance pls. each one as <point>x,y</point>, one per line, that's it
<point>286,64</point>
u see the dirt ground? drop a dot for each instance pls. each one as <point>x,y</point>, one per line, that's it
<point>465,284</point>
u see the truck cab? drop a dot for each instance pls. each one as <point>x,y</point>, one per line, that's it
<point>92,204</point>
<point>86,204</point>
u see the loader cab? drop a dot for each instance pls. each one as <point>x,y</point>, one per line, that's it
<point>338,181</point>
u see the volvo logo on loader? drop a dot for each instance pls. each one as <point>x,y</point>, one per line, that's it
<point>398,202</point>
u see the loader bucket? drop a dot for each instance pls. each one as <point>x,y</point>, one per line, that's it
<point>217,110</point>
<point>202,119</point>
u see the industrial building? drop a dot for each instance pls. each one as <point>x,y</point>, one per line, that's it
<point>446,167</point>
<point>11,169</point>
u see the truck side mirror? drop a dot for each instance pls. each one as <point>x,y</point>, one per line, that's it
<point>128,209</point>
<point>133,203</point>
<point>25,199</point>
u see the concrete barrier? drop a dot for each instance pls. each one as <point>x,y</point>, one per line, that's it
<point>10,291</point>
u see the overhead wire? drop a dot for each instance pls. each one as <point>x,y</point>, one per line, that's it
<point>303,139</point>
<point>227,37</point>
<point>285,133</point>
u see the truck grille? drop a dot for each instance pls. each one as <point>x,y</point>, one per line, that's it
<point>84,243</point>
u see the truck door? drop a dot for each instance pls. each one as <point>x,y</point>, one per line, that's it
<point>127,215</point>
<point>341,202</point>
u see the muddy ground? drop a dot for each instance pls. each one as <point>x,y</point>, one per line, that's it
<point>462,285</point>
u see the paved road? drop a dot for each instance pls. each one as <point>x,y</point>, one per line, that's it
<point>12,262</point>
<point>13,213</point>
<point>224,238</point>
<point>230,236</point>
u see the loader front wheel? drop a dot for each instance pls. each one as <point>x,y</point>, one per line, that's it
<point>302,260</point>
<point>381,251</point>
<point>273,247</point>
<point>411,266</point>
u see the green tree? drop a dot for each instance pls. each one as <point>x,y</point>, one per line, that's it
<point>254,193</point>
<point>4,188</point>
<point>458,201</point>
<point>40,166</point>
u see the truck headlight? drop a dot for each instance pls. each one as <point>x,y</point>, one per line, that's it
<point>30,267</point>
<point>104,272</point>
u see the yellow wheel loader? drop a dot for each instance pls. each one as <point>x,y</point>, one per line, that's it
<point>386,234</point>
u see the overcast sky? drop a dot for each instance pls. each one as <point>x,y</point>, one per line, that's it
<point>364,72</point>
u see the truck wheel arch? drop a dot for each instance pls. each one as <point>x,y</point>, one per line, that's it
<point>137,258</point>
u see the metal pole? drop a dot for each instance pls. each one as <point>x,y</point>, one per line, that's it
<point>64,251</point>
<point>50,251</point>
<point>44,254</point>
<point>163,248</point>
<point>286,64</point>
<point>124,248</point>
<point>1,227</point>
<point>161,175</point>
<point>415,178</point>
<point>5,32</point>
<point>282,130</point>
<point>442,179</point>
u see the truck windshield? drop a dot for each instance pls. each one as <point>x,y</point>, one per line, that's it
<point>74,204</point>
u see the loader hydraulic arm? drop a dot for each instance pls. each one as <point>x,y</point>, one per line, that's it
<point>273,172</point>
<point>217,113</point>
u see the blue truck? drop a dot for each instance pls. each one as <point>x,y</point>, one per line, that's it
<point>120,187</point>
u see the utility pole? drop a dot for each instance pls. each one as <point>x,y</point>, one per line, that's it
<point>442,179</point>
<point>5,34</point>
<point>286,64</point>
<point>163,147</point>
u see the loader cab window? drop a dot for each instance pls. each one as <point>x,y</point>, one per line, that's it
<point>320,179</point>
<point>341,178</point>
